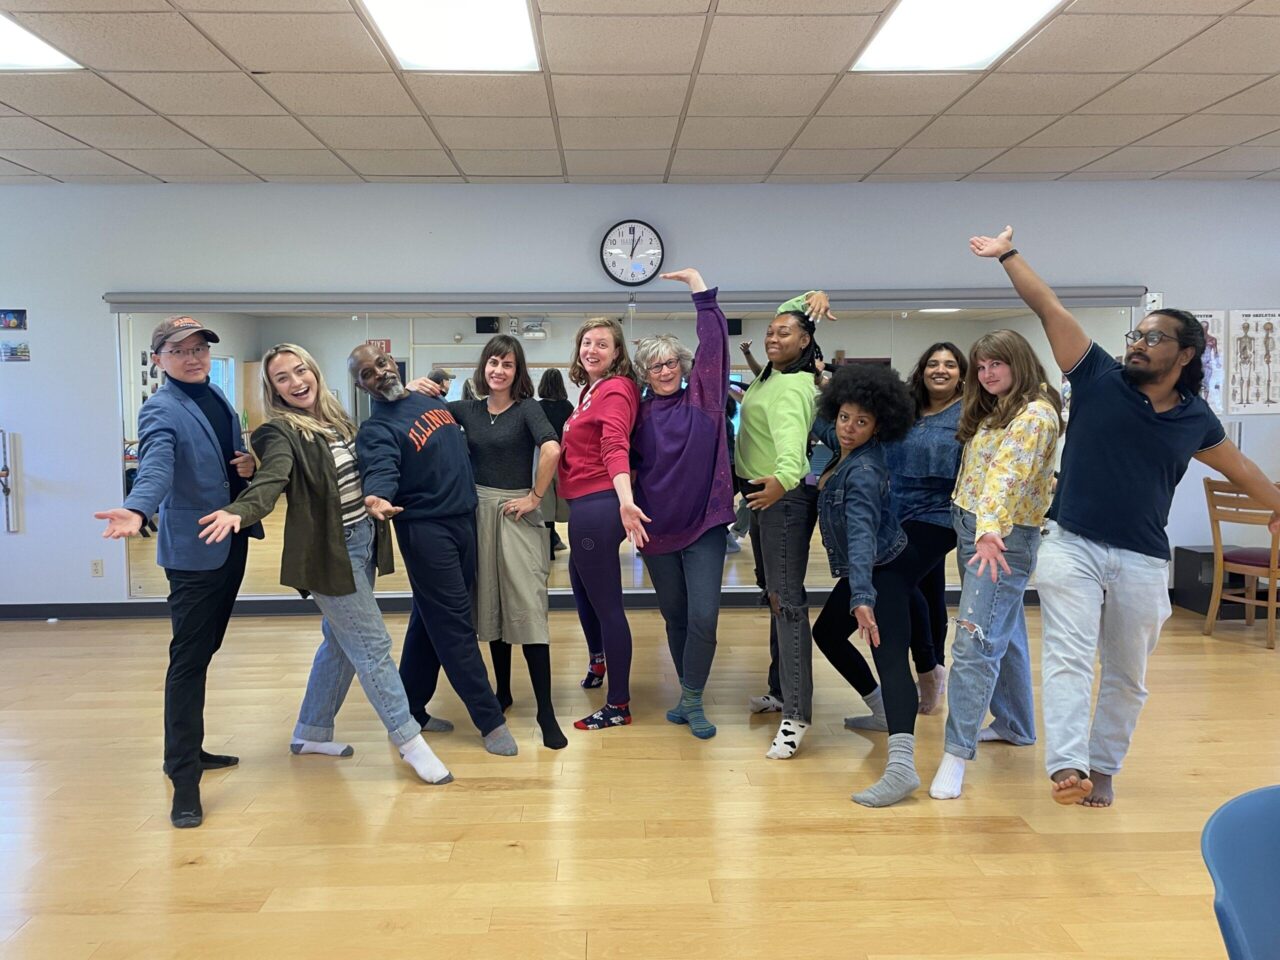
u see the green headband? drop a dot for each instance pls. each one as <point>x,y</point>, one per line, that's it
<point>798,304</point>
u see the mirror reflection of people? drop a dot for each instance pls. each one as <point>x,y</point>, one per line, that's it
<point>681,457</point>
<point>554,400</point>
<point>415,467</point>
<point>333,550</point>
<point>1104,577</point>
<point>190,461</point>
<point>595,478</point>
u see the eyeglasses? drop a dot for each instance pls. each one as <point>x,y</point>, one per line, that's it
<point>189,352</point>
<point>664,365</point>
<point>1152,337</point>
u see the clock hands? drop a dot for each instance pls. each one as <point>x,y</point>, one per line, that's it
<point>633,246</point>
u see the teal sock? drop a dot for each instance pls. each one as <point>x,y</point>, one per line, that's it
<point>689,710</point>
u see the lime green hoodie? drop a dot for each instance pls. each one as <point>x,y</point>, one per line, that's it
<point>773,436</point>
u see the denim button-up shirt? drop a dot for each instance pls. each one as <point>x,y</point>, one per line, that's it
<point>923,468</point>
<point>859,527</point>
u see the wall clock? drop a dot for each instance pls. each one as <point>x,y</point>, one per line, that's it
<point>631,252</point>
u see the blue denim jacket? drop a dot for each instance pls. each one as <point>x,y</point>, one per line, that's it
<point>923,468</point>
<point>859,527</point>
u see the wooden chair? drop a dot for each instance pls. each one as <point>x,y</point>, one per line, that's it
<point>1229,504</point>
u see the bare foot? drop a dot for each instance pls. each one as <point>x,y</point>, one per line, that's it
<point>1103,793</point>
<point>1069,786</point>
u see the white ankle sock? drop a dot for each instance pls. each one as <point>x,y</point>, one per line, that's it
<point>787,742</point>
<point>988,735</point>
<point>425,763</point>
<point>949,778</point>
<point>330,748</point>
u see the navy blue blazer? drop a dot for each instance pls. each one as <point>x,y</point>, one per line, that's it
<point>181,473</point>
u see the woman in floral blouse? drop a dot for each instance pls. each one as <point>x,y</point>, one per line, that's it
<point>1009,426</point>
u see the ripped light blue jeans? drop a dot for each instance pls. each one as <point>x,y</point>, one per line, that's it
<point>990,661</point>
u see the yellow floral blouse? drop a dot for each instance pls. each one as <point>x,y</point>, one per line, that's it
<point>1006,476</point>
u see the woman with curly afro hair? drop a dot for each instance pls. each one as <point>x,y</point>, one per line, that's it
<point>862,408</point>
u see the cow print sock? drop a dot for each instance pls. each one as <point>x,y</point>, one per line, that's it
<point>790,732</point>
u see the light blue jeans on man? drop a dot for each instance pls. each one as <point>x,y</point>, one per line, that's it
<point>1096,602</point>
<point>990,661</point>
<point>356,643</point>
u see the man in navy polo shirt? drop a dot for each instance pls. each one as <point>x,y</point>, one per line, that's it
<point>1103,568</point>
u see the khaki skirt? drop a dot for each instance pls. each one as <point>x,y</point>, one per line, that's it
<point>513,560</point>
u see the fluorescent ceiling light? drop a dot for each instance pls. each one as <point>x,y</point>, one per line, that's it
<point>941,310</point>
<point>20,50</point>
<point>457,35</point>
<point>950,34</point>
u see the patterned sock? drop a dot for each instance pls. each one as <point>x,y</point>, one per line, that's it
<point>790,732</point>
<point>437,725</point>
<point>425,763</point>
<point>949,779</point>
<point>689,710</point>
<point>900,779</point>
<point>766,704</point>
<point>595,673</point>
<point>610,715</point>
<point>330,748</point>
<point>876,721</point>
<point>500,742</point>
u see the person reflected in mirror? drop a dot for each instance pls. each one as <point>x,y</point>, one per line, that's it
<point>554,400</point>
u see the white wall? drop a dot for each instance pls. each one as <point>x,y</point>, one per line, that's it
<point>1204,245</point>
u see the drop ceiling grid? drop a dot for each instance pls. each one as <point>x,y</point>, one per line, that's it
<point>1070,87</point>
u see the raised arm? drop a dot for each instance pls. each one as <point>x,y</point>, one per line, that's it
<point>709,378</point>
<point>1066,337</point>
<point>752,362</point>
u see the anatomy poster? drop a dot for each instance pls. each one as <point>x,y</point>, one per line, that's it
<point>1253,379</point>
<point>1214,323</point>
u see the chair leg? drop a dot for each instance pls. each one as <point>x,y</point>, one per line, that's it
<point>1215,601</point>
<point>1271,614</point>
<point>1250,591</point>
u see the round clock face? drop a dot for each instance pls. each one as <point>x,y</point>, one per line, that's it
<point>631,252</point>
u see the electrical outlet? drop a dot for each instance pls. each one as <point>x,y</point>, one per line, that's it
<point>95,568</point>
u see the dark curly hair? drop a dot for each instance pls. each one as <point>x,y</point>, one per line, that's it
<point>1190,334</point>
<point>878,390</point>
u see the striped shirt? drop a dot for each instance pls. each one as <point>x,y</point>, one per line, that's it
<point>350,496</point>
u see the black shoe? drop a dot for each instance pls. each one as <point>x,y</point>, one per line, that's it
<point>217,761</point>
<point>186,811</point>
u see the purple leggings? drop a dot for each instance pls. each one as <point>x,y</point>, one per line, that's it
<point>595,533</point>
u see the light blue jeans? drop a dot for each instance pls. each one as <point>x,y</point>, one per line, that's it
<point>990,662</point>
<point>1096,601</point>
<point>356,643</point>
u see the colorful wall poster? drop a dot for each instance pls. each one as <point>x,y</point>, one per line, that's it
<point>1214,359</point>
<point>1253,378</point>
<point>14,351</point>
<point>13,319</point>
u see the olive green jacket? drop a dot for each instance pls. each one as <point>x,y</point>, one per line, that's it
<point>314,558</point>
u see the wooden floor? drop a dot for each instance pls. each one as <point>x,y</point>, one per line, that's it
<point>633,844</point>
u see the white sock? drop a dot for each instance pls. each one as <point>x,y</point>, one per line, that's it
<point>949,778</point>
<point>988,734</point>
<point>787,742</point>
<point>425,763</point>
<point>330,748</point>
<point>766,704</point>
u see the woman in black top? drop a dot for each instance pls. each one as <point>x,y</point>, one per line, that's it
<point>555,403</point>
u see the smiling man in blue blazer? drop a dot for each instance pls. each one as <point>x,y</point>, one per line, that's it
<point>190,462</point>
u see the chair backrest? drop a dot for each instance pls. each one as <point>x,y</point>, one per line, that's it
<point>1229,504</point>
<point>1241,848</point>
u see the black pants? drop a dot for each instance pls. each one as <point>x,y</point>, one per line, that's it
<point>200,603</point>
<point>894,583</point>
<point>440,558</point>
<point>929,599</point>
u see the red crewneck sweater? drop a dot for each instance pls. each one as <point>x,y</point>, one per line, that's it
<point>596,446</point>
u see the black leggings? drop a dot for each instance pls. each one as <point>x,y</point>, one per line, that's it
<point>929,599</point>
<point>894,583</point>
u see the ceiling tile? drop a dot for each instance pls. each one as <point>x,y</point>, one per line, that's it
<point>913,177</point>
<point>928,160</point>
<point>289,162</point>
<point>620,45</point>
<point>1154,6</point>
<point>12,169</point>
<point>815,178</point>
<point>951,131</point>
<point>859,132</point>
<point>407,179</point>
<point>340,94</point>
<point>801,161</point>
<point>1261,8</point>
<point>7,112</point>
<point>1241,158</point>
<point>499,163</point>
<point>85,6</point>
<point>23,133</point>
<point>193,163</point>
<point>481,95</point>
<point>400,163</point>
<point>139,133</point>
<point>515,179</point>
<point>1097,43</point>
<point>736,133</point>
<point>803,6</point>
<point>1137,159</point>
<point>1044,159</point>
<point>127,41</point>
<point>615,162</point>
<point>23,180</point>
<point>1270,140</point>
<point>198,94</point>
<point>626,6</point>
<point>1243,44</point>
<point>212,178</point>
<point>323,42</point>
<point>1027,93</point>
<point>109,178</point>
<point>608,96</point>
<point>617,133</point>
<point>633,178</point>
<point>1263,98</point>
<point>497,133</point>
<point>1213,130</point>
<point>387,133</point>
<point>311,178</point>
<point>267,6</point>
<point>723,162</point>
<point>753,44</point>
<point>1192,174</point>
<point>982,177</point>
<point>719,95</point>
<point>895,94</point>
<point>245,133</point>
<point>65,94</point>
<point>1113,130</point>
<point>1167,93</point>
<point>58,162</point>
<point>1111,175</point>
<point>1273,175</point>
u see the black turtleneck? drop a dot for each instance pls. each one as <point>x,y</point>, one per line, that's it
<point>219,417</point>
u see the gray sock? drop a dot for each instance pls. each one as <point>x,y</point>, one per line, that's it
<point>900,779</point>
<point>500,741</point>
<point>876,721</point>
<point>437,725</point>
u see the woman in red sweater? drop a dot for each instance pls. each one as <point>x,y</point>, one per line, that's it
<point>595,479</point>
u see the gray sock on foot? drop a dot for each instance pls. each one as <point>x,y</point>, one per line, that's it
<point>875,721</point>
<point>900,779</point>
<point>437,725</point>
<point>500,741</point>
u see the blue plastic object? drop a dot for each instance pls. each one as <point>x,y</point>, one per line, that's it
<point>1241,848</point>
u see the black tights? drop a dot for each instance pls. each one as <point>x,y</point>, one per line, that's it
<point>538,658</point>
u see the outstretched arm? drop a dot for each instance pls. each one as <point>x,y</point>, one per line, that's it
<point>1066,337</point>
<point>1227,459</point>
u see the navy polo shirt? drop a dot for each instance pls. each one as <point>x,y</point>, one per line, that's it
<point>1122,460</point>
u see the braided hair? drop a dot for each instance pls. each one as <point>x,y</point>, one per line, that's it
<point>1190,334</point>
<point>809,356</point>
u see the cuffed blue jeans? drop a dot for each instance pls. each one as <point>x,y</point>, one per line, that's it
<point>687,585</point>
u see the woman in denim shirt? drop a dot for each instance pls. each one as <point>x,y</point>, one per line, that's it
<point>862,408</point>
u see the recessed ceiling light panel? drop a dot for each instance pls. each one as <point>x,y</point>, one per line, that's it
<point>923,35</point>
<point>21,50</point>
<point>457,36</point>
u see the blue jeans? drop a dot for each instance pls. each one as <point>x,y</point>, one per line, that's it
<point>356,643</point>
<point>687,584</point>
<point>990,662</point>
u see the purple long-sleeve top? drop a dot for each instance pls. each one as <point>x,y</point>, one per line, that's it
<point>680,448</point>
